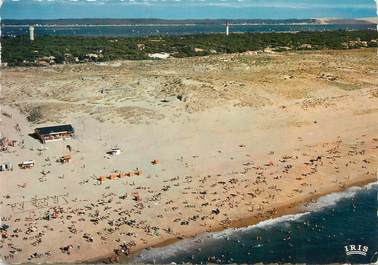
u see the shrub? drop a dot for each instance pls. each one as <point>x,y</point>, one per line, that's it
<point>35,115</point>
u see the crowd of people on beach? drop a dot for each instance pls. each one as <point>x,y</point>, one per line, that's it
<point>146,214</point>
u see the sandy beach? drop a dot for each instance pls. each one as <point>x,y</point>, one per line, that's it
<point>206,143</point>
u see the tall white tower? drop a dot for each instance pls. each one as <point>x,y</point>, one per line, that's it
<point>31,31</point>
<point>227,29</point>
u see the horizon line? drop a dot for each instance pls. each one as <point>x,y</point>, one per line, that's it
<point>178,19</point>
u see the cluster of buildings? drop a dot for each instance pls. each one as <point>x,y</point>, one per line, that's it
<point>44,134</point>
<point>50,134</point>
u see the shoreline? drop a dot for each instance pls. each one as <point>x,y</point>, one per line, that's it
<point>280,211</point>
<point>223,141</point>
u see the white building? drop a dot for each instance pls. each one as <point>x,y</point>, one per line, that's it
<point>31,31</point>
<point>162,55</point>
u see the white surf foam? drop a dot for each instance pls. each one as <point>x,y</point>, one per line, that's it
<point>156,254</point>
<point>262,225</point>
<point>189,245</point>
<point>332,199</point>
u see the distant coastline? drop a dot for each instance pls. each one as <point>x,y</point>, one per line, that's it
<point>146,21</point>
<point>177,22</point>
<point>151,25</point>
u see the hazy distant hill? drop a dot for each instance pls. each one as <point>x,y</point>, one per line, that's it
<point>111,21</point>
<point>367,20</point>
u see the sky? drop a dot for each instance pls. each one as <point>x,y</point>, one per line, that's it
<point>187,9</point>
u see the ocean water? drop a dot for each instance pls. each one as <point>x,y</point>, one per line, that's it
<point>317,236</point>
<point>150,30</point>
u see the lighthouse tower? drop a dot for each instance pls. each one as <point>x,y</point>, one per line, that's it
<point>31,31</point>
<point>227,29</point>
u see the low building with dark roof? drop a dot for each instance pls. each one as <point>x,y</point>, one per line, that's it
<point>54,133</point>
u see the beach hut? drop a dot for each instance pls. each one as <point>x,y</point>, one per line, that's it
<point>54,133</point>
<point>65,159</point>
<point>113,176</point>
<point>6,167</point>
<point>26,164</point>
<point>114,152</point>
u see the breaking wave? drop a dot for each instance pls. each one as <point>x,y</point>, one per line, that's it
<point>332,199</point>
<point>195,244</point>
<point>191,244</point>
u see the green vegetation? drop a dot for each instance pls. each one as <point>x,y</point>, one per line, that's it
<point>35,114</point>
<point>71,49</point>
